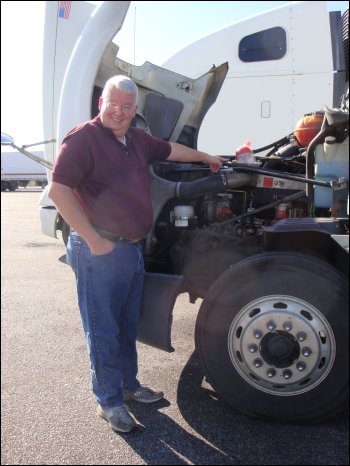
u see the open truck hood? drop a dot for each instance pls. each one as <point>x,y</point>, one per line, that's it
<point>173,105</point>
<point>79,57</point>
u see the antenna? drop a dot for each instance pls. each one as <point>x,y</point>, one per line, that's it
<point>135,36</point>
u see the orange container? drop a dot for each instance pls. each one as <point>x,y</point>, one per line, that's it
<point>307,128</point>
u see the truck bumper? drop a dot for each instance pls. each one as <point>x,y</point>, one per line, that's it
<point>48,221</point>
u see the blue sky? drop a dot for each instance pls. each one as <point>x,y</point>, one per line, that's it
<point>162,28</point>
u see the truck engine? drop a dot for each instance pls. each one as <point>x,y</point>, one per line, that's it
<point>205,223</point>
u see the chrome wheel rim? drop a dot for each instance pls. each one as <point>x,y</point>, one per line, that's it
<point>281,345</point>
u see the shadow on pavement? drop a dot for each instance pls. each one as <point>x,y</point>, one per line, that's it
<point>63,259</point>
<point>161,440</point>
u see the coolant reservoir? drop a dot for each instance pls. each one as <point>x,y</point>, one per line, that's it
<point>307,128</point>
<point>331,163</point>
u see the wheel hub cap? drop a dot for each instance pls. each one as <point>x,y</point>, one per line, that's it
<point>279,349</point>
<point>281,345</point>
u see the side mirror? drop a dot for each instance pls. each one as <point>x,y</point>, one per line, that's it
<point>6,140</point>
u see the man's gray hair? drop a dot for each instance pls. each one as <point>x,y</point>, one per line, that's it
<point>121,82</point>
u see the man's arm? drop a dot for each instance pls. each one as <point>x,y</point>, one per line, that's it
<point>68,205</point>
<point>180,153</point>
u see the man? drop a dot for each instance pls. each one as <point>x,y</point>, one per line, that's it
<point>100,185</point>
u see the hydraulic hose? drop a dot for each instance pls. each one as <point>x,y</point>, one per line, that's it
<point>310,157</point>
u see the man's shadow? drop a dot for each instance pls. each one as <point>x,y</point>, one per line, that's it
<point>161,440</point>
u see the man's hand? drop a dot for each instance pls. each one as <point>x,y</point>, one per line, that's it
<point>180,153</point>
<point>69,207</point>
<point>215,162</point>
<point>101,246</point>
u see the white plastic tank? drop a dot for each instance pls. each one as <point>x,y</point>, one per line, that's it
<point>182,215</point>
<point>331,163</point>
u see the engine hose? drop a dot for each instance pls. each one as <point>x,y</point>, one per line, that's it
<point>310,157</point>
<point>211,185</point>
<point>278,143</point>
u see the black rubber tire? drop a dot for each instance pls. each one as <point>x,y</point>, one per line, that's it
<point>13,185</point>
<point>296,275</point>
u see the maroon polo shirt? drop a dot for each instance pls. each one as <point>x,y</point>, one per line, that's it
<point>111,180</point>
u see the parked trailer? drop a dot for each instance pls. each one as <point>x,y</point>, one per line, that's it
<point>17,170</point>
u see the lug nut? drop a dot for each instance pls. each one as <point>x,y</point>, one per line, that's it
<point>301,336</point>
<point>270,372</point>
<point>287,374</point>
<point>287,326</point>
<point>306,351</point>
<point>258,362</point>
<point>258,333</point>
<point>301,366</point>
<point>271,325</point>
<point>253,348</point>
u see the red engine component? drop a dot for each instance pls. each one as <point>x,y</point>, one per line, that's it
<point>307,128</point>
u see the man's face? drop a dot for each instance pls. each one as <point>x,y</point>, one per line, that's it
<point>117,110</point>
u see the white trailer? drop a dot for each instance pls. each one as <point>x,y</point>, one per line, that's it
<point>17,170</point>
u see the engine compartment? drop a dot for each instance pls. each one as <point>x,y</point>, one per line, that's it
<point>205,222</point>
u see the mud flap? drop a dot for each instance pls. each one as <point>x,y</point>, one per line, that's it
<point>159,296</point>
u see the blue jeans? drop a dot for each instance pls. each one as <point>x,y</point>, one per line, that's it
<point>110,288</point>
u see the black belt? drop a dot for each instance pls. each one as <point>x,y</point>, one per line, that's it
<point>116,238</point>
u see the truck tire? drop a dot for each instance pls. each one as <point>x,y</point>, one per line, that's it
<point>272,338</point>
<point>13,185</point>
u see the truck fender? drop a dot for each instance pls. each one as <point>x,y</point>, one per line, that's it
<point>159,296</point>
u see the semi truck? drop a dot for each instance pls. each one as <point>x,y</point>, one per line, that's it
<point>263,243</point>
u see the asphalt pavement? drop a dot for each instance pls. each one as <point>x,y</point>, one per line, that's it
<point>48,412</point>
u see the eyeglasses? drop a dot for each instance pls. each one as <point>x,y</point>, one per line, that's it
<point>126,109</point>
